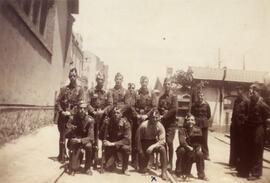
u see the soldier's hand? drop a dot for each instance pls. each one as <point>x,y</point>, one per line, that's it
<point>189,148</point>
<point>107,143</point>
<point>76,140</point>
<point>150,149</point>
<point>66,113</point>
<point>144,117</point>
<point>99,112</point>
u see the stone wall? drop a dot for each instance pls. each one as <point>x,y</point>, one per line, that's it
<point>17,121</point>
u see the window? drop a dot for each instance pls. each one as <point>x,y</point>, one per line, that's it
<point>35,14</point>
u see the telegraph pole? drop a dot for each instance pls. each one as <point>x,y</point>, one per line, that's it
<point>219,59</point>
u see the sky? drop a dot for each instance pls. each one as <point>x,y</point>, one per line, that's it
<point>143,37</point>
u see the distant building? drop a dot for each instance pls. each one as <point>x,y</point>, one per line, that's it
<point>35,37</point>
<point>92,65</point>
<point>74,57</point>
<point>220,91</point>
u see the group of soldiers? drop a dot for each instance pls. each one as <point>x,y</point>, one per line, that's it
<point>249,127</point>
<point>129,122</point>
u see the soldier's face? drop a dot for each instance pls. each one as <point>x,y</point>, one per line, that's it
<point>144,83</point>
<point>118,81</point>
<point>82,111</point>
<point>100,81</point>
<point>239,91</point>
<point>253,94</point>
<point>131,88</point>
<point>201,97</point>
<point>155,118</point>
<point>191,121</point>
<point>72,76</point>
<point>117,115</point>
<point>167,86</point>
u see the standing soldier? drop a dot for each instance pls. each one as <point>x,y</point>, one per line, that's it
<point>189,150</point>
<point>239,117</point>
<point>118,93</point>
<point>82,137</point>
<point>100,103</point>
<point>66,101</point>
<point>201,111</point>
<point>116,140</point>
<point>257,123</point>
<point>167,106</point>
<point>145,101</point>
<point>151,138</point>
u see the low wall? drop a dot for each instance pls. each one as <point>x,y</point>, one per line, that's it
<point>19,120</point>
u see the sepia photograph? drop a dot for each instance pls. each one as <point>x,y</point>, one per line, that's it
<point>134,91</point>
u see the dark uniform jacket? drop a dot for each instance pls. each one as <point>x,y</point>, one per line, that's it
<point>118,132</point>
<point>67,99</point>
<point>258,112</point>
<point>202,113</point>
<point>99,99</point>
<point>240,111</point>
<point>119,97</point>
<point>84,129</point>
<point>190,136</point>
<point>145,101</point>
<point>167,106</point>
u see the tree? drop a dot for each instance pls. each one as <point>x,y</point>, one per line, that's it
<point>184,81</point>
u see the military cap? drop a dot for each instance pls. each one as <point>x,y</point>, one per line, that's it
<point>100,75</point>
<point>118,74</point>
<point>143,78</point>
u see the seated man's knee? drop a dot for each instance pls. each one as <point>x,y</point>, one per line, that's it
<point>88,147</point>
<point>199,154</point>
<point>161,149</point>
<point>126,149</point>
<point>180,151</point>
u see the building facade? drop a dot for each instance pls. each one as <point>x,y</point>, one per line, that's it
<point>33,51</point>
<point>91,66</point>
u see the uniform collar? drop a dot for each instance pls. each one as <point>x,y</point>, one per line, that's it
<point>99,89</point>
<point>143,91</point>
<point>118,87</point>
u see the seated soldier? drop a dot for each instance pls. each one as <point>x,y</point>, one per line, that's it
<point>81,136</point>
<point>189,151</point>
<point>151,138</point>
<point>116,136</point>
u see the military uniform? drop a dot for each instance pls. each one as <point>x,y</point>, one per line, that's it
<point>254,129</point>
<point>99,99</point>
<point>167,106</point>
<point>145,101</point>
<point>202,114</point>
<point>185,156</point>
<point>119,98</point>
<point>239,117</point>
<point>67,99</point>
<point>84,130</point>
<point>119,133</point>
